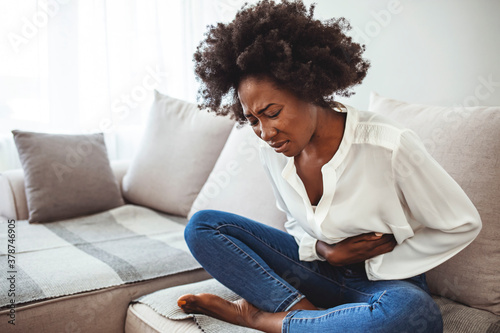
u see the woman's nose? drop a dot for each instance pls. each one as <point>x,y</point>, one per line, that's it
<point>267,132</point>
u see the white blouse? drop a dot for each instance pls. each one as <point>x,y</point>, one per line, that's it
<point>381,179</point>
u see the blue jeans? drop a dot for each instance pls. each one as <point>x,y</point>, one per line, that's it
<point>261,264</point>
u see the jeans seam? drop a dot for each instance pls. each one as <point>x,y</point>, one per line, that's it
<point>298,296</point>
<point>333,311</point>
<point>295,293</point>
<point>378,300</point>
<point>294,301</point>
<point>288,258</point>
<point>286,321</point>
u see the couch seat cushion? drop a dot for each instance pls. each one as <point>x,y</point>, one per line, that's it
<point>123,245</point>
<point>164,303</point>
<point>458,318</point>
<point>142,319</point>
<point>102,310</point>
<point>158,312</point>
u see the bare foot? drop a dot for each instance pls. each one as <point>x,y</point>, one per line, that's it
<point>240,312</point>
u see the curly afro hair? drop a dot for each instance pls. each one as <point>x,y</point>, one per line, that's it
<point>315,60</point>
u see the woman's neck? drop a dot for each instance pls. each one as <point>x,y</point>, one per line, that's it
<point>326,139</point>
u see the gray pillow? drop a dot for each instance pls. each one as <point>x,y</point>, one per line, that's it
<point>66,175</point>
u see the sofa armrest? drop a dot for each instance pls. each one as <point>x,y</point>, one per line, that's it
<point>13,204</point>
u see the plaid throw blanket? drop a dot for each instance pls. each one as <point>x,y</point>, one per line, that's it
<point>126,244</point>
<point>164,302</point>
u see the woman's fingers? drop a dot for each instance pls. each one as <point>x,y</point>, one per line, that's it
<point>376,245</point>
<point>385,244</point>
<point>375,240</point>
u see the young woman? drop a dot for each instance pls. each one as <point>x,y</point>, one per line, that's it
<point>369,211</point>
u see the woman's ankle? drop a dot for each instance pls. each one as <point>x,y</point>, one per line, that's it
<point>303,304</point>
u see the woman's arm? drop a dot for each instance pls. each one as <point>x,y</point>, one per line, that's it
<point>443,218</point>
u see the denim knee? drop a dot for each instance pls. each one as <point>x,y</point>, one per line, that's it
<point>199,222</point>
<point>421,313</point>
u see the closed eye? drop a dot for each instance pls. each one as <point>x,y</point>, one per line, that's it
<point>253,122</point>
<point>276,114</point>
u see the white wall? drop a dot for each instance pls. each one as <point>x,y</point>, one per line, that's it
<point>425,51</point>
<point>422,51</point>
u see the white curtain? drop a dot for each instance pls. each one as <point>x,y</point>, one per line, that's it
<point>82,66</point>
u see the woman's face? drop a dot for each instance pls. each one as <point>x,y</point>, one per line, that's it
<point>277,116</point>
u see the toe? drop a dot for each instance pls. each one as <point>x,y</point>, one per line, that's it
<point>183,300</point>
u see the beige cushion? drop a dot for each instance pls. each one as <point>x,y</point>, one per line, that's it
<point>238,183</point>
<point>458,318</point>
<point>164,302</point>
<point>142,319</point>
<point>101,310</point>
<point>466,142</point>
<point>66,175</point>
<point>177,153</point>
<point>158,312</point>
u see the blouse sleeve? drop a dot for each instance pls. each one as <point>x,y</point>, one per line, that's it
<point>306,243</point>
<point>443,218</point>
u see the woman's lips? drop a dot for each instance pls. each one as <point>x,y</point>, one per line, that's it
<point>280,147</point>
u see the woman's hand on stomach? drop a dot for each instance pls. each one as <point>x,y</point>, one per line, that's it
<point>356,249</point>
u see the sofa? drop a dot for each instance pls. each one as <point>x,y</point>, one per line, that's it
<point>97,245</point>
